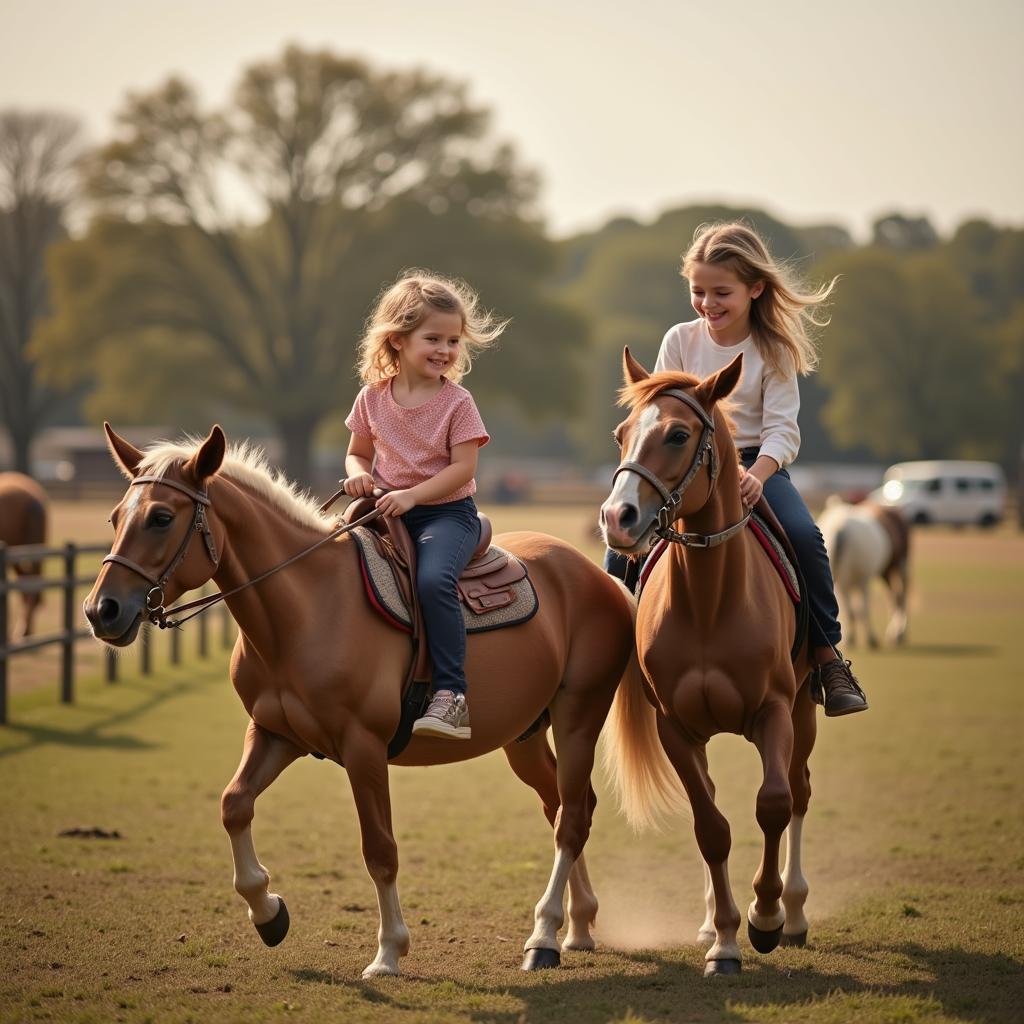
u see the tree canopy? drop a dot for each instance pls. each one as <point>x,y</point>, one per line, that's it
<point>38,151</point>
<point>235,253</point>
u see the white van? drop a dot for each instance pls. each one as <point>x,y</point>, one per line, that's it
<point>945,491</point>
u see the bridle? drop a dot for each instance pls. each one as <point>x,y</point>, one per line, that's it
<point>155,611</point>
<point>672,499</point>
<point>201,502</point>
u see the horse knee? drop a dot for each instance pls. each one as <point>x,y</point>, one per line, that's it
<point>714,841</point>
<point>572,830</point>
<point>774,808</point>
<point>237,807</point>
<point>380,855</point>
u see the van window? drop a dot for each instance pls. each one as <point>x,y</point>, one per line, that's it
<point>933,486</point>
<point>987,485</point>
<point>962,485</point>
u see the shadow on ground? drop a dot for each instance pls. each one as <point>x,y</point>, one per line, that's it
<point>982,988</point>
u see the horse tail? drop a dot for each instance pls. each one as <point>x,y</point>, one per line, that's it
<point>645,783</point>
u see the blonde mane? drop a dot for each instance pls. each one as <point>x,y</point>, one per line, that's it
<point>246,465</point>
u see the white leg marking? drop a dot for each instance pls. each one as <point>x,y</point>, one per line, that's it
<point>582,908</point>
<point>706,932</point>
<point>794,885</point>
<point>549,915</point>
<point>766,922</point>
<point>252,879</point>
<point>725,946</point>
<point>392,936</point>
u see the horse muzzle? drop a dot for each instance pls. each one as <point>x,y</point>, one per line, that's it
<point>621,528</point>
<point>115,621</point>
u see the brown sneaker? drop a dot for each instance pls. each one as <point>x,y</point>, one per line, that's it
<point>843,694</point>
<point>447,716</point>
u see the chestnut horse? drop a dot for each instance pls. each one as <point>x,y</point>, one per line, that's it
<point>865,541</point>
<point>319,671</point>
<point>23,511</point>
<point>715,627</point>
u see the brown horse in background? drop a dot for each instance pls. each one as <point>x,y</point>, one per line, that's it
<point>715,627</point>
<point>319,671</point>
<point>23,515</point>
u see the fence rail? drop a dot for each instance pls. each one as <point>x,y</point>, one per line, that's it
<point>72,631</point>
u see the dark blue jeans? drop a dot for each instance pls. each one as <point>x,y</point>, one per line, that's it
<point>807,542</point>
<point>445,537</point>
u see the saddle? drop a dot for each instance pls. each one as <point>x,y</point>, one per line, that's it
<point>494,588</point>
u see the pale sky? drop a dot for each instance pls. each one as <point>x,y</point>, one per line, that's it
<point>814,110</point>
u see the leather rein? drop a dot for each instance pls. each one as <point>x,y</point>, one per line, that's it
<point>672,499</point>
<point>155,611</point>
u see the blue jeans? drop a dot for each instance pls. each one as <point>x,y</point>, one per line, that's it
<point>807,542</point>
<point>445,537</point>
<point>809,546</point>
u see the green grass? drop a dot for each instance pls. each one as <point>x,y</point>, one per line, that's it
<point>914,849</point>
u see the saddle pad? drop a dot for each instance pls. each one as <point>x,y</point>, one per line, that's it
<point>773,548</point>
<point>386,596</point>
<point>766,538</point>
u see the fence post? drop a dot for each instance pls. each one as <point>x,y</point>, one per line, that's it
<point>111,665</point>
<point>3,633</point>
<point>175,646</point>
<point>67,682</point>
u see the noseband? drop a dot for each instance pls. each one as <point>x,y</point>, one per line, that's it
<point>156,613</point>
<point>672,499</point>
<point>155,597</point>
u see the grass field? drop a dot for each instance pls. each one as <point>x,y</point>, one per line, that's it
<point>914,850</point>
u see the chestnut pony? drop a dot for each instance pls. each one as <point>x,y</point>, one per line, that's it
<point>715,628</point>
<point>319,671</point>
<point>23,514</point>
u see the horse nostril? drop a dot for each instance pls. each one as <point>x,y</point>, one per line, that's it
<point>629,516</point>
<point>109,610</point>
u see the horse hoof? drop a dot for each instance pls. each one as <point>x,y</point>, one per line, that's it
<point>763,942</point>
<point>797,939</point>
<point>273,931</point>
<point>586,945</point>
<point>721,968</point>
<point>541,959</point>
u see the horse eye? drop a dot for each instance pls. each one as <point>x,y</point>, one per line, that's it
<point>677,438</point>
<point>160,519</point>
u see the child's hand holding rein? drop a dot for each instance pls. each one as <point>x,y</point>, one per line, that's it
<point>750,488</point>
<point>359,486</point>
<point>397,503</point>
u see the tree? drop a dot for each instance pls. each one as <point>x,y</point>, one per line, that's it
<point>353,174</point>
<point>912,369</point>
<point>37,157</point>
<point>897,231</point>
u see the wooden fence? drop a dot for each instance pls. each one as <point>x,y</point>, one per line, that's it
<point>73,627</point>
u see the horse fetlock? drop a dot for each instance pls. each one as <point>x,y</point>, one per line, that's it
<point>252,886</point>
<point>724,950</point>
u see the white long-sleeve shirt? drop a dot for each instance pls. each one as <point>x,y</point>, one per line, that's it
<point>765,403</point>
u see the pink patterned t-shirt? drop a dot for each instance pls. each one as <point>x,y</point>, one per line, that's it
<point>413,445</point>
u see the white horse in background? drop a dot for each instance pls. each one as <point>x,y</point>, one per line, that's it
<point>865,541</point>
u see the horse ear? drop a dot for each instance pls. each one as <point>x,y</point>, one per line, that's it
<point>632,371</point>
<point>126,455</point>
<point>719,385</point>
<point>208,459</point>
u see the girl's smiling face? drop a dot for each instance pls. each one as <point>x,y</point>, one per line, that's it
<point>723,300</point>
<point>431,348</point>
